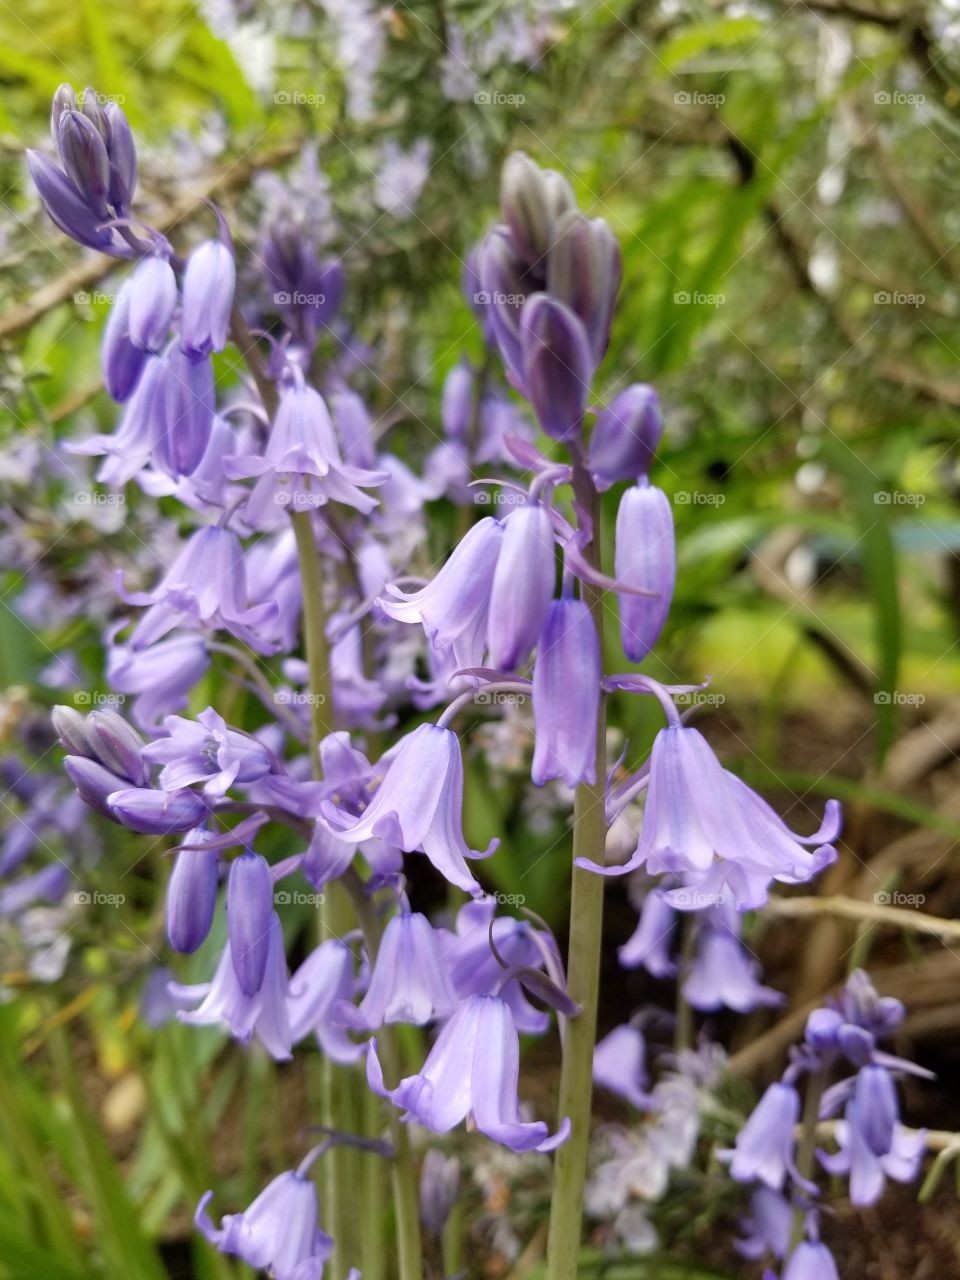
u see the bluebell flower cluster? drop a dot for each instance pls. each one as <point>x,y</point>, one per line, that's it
<point>300,521</point>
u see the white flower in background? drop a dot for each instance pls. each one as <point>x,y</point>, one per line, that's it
<point>402,176</point>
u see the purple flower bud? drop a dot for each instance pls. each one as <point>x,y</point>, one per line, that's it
<point>153,299</point>
<point>644,558</point>
<point>764,1147</point>
<point>626,436</point>
<point>181,430</point>
<point>83,154</point>
<point>123,157</point>
<point>557,365</point>
<point>456,411</point>
<point>566,695</point>
<point>208,286</point>
<point>94,783</point>
<point>874,1108</point>
<point>532,200</point>
<point>823,1026</point>
<point>65,99</point>
<point>65,205</point>
<point>584,270</point>
<point>811,1260</point>
<point>93,111</point>
<point>121,361</point>
<point>71,729</point>
<point>439,1186</point>
<point>856,1044</point>
<point>117,746</point>
<point>523,584</point>
<point>192,895</point>
<point>502,297</point>
<point>157,813</point>
<point>249,912</point>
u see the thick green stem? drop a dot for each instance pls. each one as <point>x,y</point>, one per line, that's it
<point>583,967</point>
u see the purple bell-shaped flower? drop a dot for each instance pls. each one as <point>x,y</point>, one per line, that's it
<point>472,1070</point>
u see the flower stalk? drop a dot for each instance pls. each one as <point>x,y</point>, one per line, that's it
<point>583,961</point>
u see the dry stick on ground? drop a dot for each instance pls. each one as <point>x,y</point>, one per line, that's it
<point>92,269</point>
<point>866,913</point>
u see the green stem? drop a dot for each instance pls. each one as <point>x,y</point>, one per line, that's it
<point>816,1085</point>
<point>336,1105</point>
<point>583,964</point>
<point>402,1169</point>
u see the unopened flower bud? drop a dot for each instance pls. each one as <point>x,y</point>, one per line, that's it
<point>94,783</point>
<point>192,895</point>
<point>249,912</point>
<point>208,287</point>
<point>645,559</point>
<point>557,365</point>
<point>158,813</point>
<point>566,695</point>
<point>117,746</point>
<point>153,298</point>
<point>626,436</point>
<point>85,160</point>
<point>584,270</point>
<point>533,199</point>
<point>121,360</point>
<point>71,728</point>
<point>185,419</point>
<point>65,99</point>
<point>65,205</point>
<point>123,157</point>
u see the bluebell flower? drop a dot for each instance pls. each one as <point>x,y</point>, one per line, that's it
<point>192,894</point>
<point>706,826</point>
<point>408,982</point>
<point>566,695</point>
<point>418,806</point>
<point>250,917</point>
<point>301,467</point>
<point>207,750</point>
<point>205,586</point>
<point>472,1070</point>
<point>316,990</point>
<point>263,1014</point>
<point>811,1260</point>
<point>764,1149</point>
<point>619,1064</point>
<point>768,1227</point>
<point>453,607</point>
<point>522,588</point>
<point>278,1232</point>
<point>723,976</point>
<point>649,946</point>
